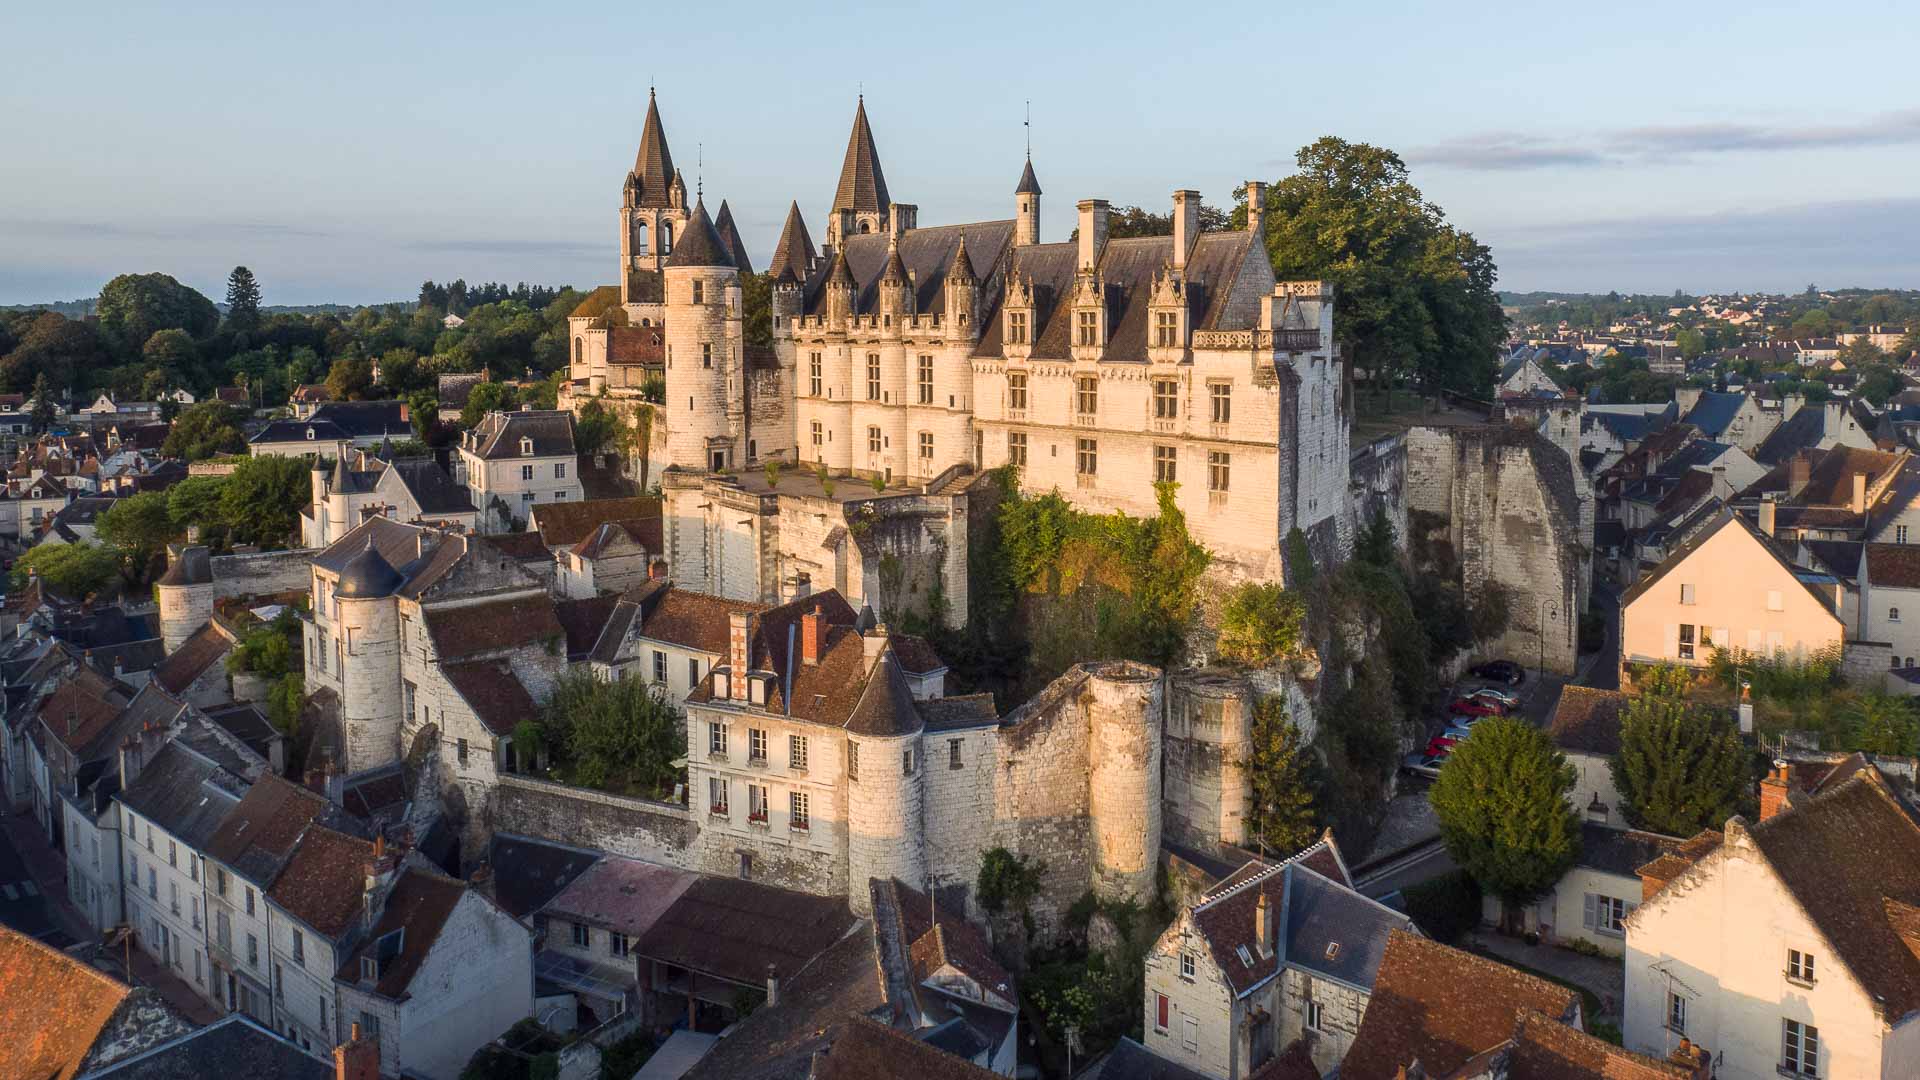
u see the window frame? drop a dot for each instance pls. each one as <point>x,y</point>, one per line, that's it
<point>1220,402</point>
<point>1086,395</point>
<point>1166,399</point>
<point>1086,457</point>
<point>1166,464</point>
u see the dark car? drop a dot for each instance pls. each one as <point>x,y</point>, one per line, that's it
<point>1502,671</point>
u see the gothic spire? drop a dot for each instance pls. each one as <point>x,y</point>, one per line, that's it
<point>961,271</point>
<point>793,257</point>
<point>730,238</point>
<point>863,188</point>
<point>653,165</point>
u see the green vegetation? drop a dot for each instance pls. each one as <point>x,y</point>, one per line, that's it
<point>1445,908</point>
<point>1008,882</point>
<point>1282,817</point>
<point>1502,804</point>
<point>73,570</point>
<point>137,529</point>
<point>526,1051</point>
<point>1681,767</point>
<point>1260,623</point>
<point>621,736</point>
<point>205,430</point>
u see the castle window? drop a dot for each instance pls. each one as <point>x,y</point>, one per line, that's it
<point>1160,1013</point>
<point>1089,328</point>
<point>813,374</point>
<point>1316,1016</point>
<point>659,666</point>
<point>873,440</point>
<point>906,762</point>
<point>797,753</point>
<point>706,354</point>
<point>1219,470</point>
<point>818,434</point>
<point>699,292</point>
<point>1086,395</point>
<point>1016,328</point>
<point>666,238</point>
<point>757,803</point>
<point>799,811</point>
<point>1166,329</point>
<point>1166,399</point>
<point>926,380</point>
<point>1186,965</point>
<point>717,796</point>
<point>1017,390</point>
<point>926,446</point>
<point>717,739</point>
<point>953,753</point>
<point>1017,448</point>
<point>460,751</point>
<point>1222,395</point>
<point>853,761</point>
<point>1086,457</point>
<point>873,376</point>
<point>579,352</point>
<point>1165,468</point>
<point>640,238</point>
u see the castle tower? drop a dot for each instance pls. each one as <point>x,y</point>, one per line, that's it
<point>653,209</point>
<point>341,488</point>
<point>895,293</point>
<point>1026,208</point>
<point>860,204</point>
<point>962,294</point>
<point>370,671</point>
<point>729,235</point>
<point>793,259</point>
<point>1123,781</point>
<point>886,778</point>
<point>705,377</point>
<point>185,594</point>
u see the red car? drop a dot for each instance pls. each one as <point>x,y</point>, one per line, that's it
<point>1467,706</point>
<point>1440,746</point>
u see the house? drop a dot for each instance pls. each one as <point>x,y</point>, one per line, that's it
<point>1272,954</point>
<point>308,397</point>
<point>1542,1048</point>
<point>1439,1008</point>
<point>523,873</point>
<point>362,424</point>
<point>1591,901</point>
<point>1727,587</point>
<point>79,722</point>
<point>233,1046</point>
<point>1890,599</point>
<point>1815,427</point>
<point>615,558</point>
<point>195,672</point>
<point>1523,376</point>
<point>512,461</point>
<point>940,970</point>
<point>1785,944</point>
<point>315,906</point>
<point>62,1019</point>
<point>1736,418</point>
<point>1842,493</point>
<point>862,1048</point>
<point>1585,727</point>
<point>439,971</point>
<point>415,490</point>
<point>587,930</point>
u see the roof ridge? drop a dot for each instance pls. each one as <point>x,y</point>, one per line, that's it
<point>1263,874</point>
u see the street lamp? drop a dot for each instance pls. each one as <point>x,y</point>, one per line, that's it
<point>1540,630</point>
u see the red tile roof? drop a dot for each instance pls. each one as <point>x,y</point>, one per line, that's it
<point>192,659</point>
<point>865,1050</point>
<point>494,625</point>
<point>52,1008</point>
<point>1545,1049</point>
<point>418,906</point>
<point>324,884</point>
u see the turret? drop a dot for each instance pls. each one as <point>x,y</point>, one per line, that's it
<point>962,290</point>
<point>1123,701</point>
<point>840,290</point>
<point>1026,208</point>
<point>895,291</point>
<point>369,620</point>
<point>185,594</point>
<point>703,339</point>
<point>653,203</point>
<point>885,778</point>
<point>860,203</point>
<point>793,259</point>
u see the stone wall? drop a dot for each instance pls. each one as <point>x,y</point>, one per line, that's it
<point>637,828</point>
<point>1377,483</point>
<point>261,573</point>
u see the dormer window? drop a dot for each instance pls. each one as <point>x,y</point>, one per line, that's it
<point>526,446</point>
<point>1016,328</point>
<point>369,969</point>
<point>309,433</point>
<point>1246,957</point>
<point>1333,951</point>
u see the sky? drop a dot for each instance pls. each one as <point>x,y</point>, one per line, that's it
<point>346,152</point>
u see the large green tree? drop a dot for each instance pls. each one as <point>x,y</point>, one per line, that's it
<point>622,735</point>
<point>208,429</point>
<point>196,501</point>
<point>58,348</point>
<point>1501,799</point>
<point>350,379</point>
<point>1880,723</point>
<point>43,406</point>
<point>1681,767</point>
<point>1282,817</point>
<point>137,529</point>
<point>261,500</point>
<point>133,306</point>
<point>243,300</point>
<point>73,570</point>
<point>1414,296</point>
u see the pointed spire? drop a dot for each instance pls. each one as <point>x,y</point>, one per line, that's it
<point>839,274</point>
<point>701,245</point>
<point>793,257</point>
<point>653,165</point>
<point>730,239</point>
<point>895,272</point>
<point>1029,185</point>
<point>863,187</point>
<point>343,481</point>
<point>961,271</point>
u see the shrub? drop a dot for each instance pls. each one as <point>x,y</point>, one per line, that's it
<point>1008,880</point>
<point>1260,623</point>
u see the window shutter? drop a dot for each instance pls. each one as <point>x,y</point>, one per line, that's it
<point>1673,642</point>
<point>1721,639</point>
<point>1590,915</point>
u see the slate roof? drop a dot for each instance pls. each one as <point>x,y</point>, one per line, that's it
<point>323,884</point>
<point>527,872</point>
<point>232,1046</point>
<point>625,895</point>
<point>1803,430</point>
<point>1128,1060</point>
<point>885,708</point>
<point>958,712</point>
<point>927,255</point>
<point>1894,566</point>
<point>1621,852</point>
<point>794,255</point>
<point>185,793</point>
<point>419,905</point>
<point>259,834</point>
<point>456,387</point>
<point>1029,184</point>
<point>342,420</point>
<point>498,435</point>
<point>777,1042</point>
<point>1440,1006</point>
<point>736,248</point>
<point>951,941</point>
<point>431,487</point>
<point>699,244</point>
<point>1587,721</point>
<point>653,162</point>
<point>863,187</point>
<point>737,930</point>
<point>584,620</point>
<point>520,546</point>
<point>192,659</point>
<point>1328,911</point>
<point>1841,557</point>
<point>494,693</point>
<point>1714,411</point>
<point>1334,931</point>
<point>367,575</point>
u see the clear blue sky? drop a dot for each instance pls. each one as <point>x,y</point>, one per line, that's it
<point>347,151</point>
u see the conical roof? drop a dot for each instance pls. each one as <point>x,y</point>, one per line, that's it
<point>794,255</point>
<point>962,268</point>
<point>886,709</point>
<point>895,272</point>
<point>1029,184</point>
<point>344,482</point>
<point>730,238</point>
<point>653,165</point>
<point>862,185</point>
<point>700,245</point>
<point>839,273</point>
<point>367,576</point>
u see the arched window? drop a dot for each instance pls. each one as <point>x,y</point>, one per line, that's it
<point>639,238</point>
<point>579,352</point>
<point>866,227</point>
<point>1893,614</point>
<point>666,238</point>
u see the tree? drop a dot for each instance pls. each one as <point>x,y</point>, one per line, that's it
<point>243,300</point>
<point>133,306</point>
<point>43,410</point>
<point>350,379</point>
<point>1880,723</point>
<point>423,412</point>
<point>1691,343</point>
<point>197,501</point>
<point>596,428</point>
<point>1376,543</point>
<point>1501,799</point>
<point>169,354</point>
<point>487,397</point>
<point>58,348</point>
<point>1282,814</point>
<point>1260,623</point>
<point>1878,383</point>
<point>137,528</point>
<point>1680,768</point>
<point>73,570</point>
<point>261,500</point>
<point>207,429</point>
<point>619,735</point>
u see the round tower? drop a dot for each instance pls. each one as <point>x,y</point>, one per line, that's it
<point>705,388</point>
<point>369,627</point>
<point>1026,208</point>
<point>962,295</point>
<point>185,593</point>
<point>1123,776</point>
<point>885,782</point>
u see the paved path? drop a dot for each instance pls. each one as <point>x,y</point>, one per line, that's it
<point>1605,976</point>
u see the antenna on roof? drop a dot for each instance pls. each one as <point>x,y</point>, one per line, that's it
<point>699,171</point>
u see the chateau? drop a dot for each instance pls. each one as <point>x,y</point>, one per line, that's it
<point>907,360</point>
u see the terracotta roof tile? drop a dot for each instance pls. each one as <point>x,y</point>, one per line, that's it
<point>690,619</point>
<point>738,929</point>
<point>419,906</point>
<point>564,524</point>
<point>1587,721</point>
<point>261,831</point>
<point>1894,565</point>
<point>52,1008</point>
<point>324,883</point>
<point>866,1050</point>
<point>1545,1049</point>
<point>81,709</point>
<point>192,659</point>
<point>509,623</point>
<point>494,693</point>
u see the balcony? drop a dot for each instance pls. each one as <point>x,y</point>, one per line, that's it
<point>1296,340</point>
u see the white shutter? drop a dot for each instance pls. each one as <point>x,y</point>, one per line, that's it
<point>1673,642</point>
<point>1590,913</point>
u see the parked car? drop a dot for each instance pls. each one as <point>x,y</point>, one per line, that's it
<point>1423,764</point>
<point>1488,693</point>
<point>1467,706</point>
<point>1440,746</point>
<point>1502,671</point>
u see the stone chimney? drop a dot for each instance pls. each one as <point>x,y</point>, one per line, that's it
<point>1859,503</point>
<point>1263,924</point>
<point>1775,789</point>
<point>1693,1058</point>
<point>1186,225</point>
<point>739,635</point>
<point>358,1058</point>
<point>1766,514</point>
<point>813,636</point>
<point>1093,232</point>
<point>1798,474</point>
<point>131,759</point>
<point>381,872</point>
<point>773,986</point>
<point>1257,209</point>
<point>875,643</point>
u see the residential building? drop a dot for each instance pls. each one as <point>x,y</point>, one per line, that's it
<point>1522,375</point>
<point>1890,600</point>
<point>513,461</point>
<point>1591,901</point>
<point>1585,727</point>
<point>1783,945</point>
<point>317,909</point>
<point>588,930</point>
<point>1727,587</point>
<point>363,425</point>
<point>412,490</point>
<point>233,1046</point>
<point>956,995</point>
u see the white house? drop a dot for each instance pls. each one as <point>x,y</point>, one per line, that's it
<point>1890,599</point>
<point>513,460</point>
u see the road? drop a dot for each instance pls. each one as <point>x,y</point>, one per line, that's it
<point>1603,673</point>
<point>23,906</point>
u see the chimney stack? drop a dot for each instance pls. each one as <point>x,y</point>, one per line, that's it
<point>1257,210</point>
<point>875,642</point>
<point>130,761</point>
<point>1263,924</point>
<point>813,632</point>
<point>773,986</point>
<point>380,875</point>
<point>1093,232</point>
<point>1186,225</point>
<point>739,633</point>
<point>1799,474</point>
<point>1775,789</point>
<point>358,1058</point>
<point>1767,509</point>
<point>1859,503</point>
